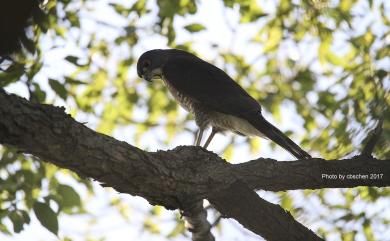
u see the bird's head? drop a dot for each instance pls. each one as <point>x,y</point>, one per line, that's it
<point>149,65</point>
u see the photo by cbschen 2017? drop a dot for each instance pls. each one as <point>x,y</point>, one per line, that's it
<point>258,120</point>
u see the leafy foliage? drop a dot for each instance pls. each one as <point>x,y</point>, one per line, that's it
<point>323,61</point>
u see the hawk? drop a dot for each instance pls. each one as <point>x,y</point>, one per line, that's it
<point>213,97</point>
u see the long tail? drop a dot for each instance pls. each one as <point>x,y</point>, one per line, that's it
<point>277,136</point>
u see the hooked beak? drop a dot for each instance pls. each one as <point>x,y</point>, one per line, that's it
<point>152,75</point>
<point>147,77</point>
<point>144,75</point>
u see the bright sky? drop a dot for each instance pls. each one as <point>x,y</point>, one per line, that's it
<point>108,222</point>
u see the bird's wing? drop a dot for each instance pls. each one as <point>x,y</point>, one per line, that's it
<point>215,89</point>
<point>208,85</point>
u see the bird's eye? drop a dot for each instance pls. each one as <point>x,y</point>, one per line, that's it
<point>146,63</point>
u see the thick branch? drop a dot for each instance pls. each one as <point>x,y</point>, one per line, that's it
<point>175,179</point>
<point>314,174</point>
<point>259,215</point>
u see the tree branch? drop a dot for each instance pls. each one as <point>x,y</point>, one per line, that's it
<point>314,174</point>
<point>168,178</point>
<point>176,178</point>
<point>259,216</point>
<point>195,218</point>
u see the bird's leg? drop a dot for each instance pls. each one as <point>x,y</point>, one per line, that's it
<point>199,137</point>
<point>213,132</point>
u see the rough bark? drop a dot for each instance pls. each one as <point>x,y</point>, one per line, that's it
<point>315,173</point>
<point>195,219</point>
<point>180,177</point>
<point>256,214</point>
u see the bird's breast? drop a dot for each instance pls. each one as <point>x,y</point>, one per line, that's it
<point>206,117</point>
<point>185,101</point>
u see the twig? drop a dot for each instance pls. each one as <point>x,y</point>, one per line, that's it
<point>196,222</point>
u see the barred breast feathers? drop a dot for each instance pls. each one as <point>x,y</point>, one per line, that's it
<point>205,117</point>
<point>185,101</point>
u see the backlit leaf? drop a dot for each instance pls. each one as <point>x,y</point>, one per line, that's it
<point>70,198</point>
<point>195,27</point>
<point>46,216</point>
<point>59,88</point>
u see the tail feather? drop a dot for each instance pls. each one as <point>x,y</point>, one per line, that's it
<point>278,137</point>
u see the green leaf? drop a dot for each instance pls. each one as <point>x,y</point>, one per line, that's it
<point>228,152</point>
<point>286,201</point>
<point>349,236</point>
<point>229,3</point>
<point>367,230</point>
<point>4,229</point>
<point>73,81</point>
<point>151,226</point>
<point>58,88</point>
<point>73,19</point>
<point>156,211</point>
<point>11,74</point>
<point>38,93</point>
<point>323,50</point>
<point>25,216</point>
<point>72,59</point>
<point>194,27</point>
<point>254,145</point>
<point>70,198</point>
<point>250,11</point>
<point>275,35</point>
<point>46,216</point>
<point>139,7</point>
<point>120,9</point>
<point>171,32</point>
<point>17,221</point>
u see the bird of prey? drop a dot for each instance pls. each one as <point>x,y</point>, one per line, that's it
<point>213,97</point>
